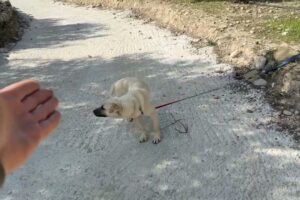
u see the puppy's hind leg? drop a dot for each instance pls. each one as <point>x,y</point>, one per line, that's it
<point>143,136</point>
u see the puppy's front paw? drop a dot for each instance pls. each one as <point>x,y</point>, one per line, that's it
<point>143,138</point>
<point>156,139</point>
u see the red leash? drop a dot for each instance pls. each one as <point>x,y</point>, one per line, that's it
<point>176,101</point>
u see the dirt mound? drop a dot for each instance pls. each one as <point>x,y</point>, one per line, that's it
<point>12,24</point>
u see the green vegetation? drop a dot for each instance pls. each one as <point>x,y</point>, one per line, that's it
<point>284,29</point>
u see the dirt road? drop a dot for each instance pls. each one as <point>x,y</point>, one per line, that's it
<point>231,150</point>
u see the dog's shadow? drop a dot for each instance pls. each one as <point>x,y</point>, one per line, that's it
<point>171,122</point>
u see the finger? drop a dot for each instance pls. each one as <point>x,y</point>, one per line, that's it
<point>45,109</point>
<point>48,125</point>
<point>23,88</point>
<point>37,98</point>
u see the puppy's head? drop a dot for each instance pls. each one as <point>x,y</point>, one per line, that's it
<point>110,109</point>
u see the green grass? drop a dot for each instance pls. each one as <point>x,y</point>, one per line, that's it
<point>287,30</point>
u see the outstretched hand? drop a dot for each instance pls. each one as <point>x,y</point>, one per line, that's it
<point>28,115</point>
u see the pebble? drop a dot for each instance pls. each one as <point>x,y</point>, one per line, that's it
<point>235,54</point>
<point>286,112</point>
<point>260,62</point>
<point>260,82</point>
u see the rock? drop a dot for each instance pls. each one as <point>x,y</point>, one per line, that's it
<point>260,62</point>
<point>283,101</point>
<point>249,111</point>
<point>235,54</point>
<point>259,10</point>
<point>252,75</point>
<point>284,51</point>
<point>287,113</point>
<point>252,31</point>
<point>296,112</point>
<point>260,82</point>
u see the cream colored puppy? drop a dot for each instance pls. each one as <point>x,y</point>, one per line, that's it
<point>130,99</point>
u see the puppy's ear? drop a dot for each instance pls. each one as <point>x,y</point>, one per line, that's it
<point>115,108</point>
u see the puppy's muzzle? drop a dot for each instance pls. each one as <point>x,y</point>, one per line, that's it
<point>99,112</point>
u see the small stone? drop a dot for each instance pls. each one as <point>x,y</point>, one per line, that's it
<point>273,84</point>
<point>260,82</point>
<point>235,54</point>
<point>252,31</point>
<point>296,112</point>
<point>287,113</point>
<point>253,74</point>
<point>283,101</point>
<point>249,111</point>
<point>260,62</point>
<point>259,10</point>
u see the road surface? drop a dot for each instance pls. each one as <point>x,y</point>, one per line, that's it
<point>228,153</point>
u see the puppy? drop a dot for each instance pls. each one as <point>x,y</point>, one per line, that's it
<point>130,99</point>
